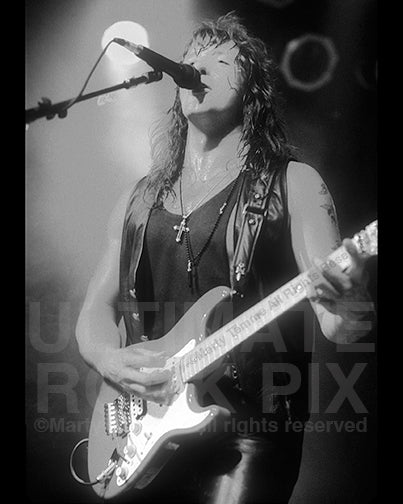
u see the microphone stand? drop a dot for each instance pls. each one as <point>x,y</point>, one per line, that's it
<point>46,109</point>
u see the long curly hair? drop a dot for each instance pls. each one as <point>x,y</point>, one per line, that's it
<point>263,134</point>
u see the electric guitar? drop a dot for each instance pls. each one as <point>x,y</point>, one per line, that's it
<point>130,439</point>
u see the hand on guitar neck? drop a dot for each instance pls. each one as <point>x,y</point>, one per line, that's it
<point>343,292</point>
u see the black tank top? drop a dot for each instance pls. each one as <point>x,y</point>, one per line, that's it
<point>153,274</point>
<point>162,284</point>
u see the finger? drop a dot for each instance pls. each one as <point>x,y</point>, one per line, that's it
<point>315,293</point>
<point>155,393</point>
<point>310,292</point>
<point>326,281</point>
<point>319,295</point>
<point>333,279</point>
<point>358,260</point>
<point>148,378</point>
<point>149,352</point>
<point>357,270</point>
<point>142,357</point>
<point>326,267</point>
<point>340,281</point>
<point>136,389</point>
<point>351,248</point>
<point>326,293</point>
<point>329,304</point>
<point>159,394</point>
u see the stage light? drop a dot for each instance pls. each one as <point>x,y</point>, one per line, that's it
<point>308,62</point>
<point>130,31</point>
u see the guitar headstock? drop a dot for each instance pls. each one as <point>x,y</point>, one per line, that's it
<point>366,240</point>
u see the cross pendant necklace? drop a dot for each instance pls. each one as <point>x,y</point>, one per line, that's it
<point>182,228</point>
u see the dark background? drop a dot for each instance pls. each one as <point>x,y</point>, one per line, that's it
<point>77,167</point>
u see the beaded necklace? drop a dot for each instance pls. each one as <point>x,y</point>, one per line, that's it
<point>193,259</point>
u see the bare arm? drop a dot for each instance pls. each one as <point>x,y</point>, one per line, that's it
<point>342,298</point>
<point>97,330</point>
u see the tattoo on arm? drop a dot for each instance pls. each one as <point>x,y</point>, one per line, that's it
<point>330,212</point>
<point>323,189</point>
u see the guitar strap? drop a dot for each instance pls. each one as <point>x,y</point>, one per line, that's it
<point>254,213</point>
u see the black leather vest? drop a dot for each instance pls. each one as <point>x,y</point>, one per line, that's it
<point>260,262</point>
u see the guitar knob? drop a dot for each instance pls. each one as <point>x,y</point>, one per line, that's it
<point>136,428</point>
<point>121,473</point>
<point>130,450</point>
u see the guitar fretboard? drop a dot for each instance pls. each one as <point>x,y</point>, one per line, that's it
<point>252,320</point>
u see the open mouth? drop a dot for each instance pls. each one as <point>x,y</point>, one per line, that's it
<point>201,90</point>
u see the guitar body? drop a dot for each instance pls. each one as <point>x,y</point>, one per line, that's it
<point>131,439</point>
<point>152,430</point>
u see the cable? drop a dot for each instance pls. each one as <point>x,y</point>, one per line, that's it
<point>73,472</point>
<point>63,112</point>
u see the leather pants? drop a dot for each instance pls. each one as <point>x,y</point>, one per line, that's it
<point>232,470</point>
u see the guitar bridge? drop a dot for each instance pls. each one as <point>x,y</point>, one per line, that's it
<point>120,413</point>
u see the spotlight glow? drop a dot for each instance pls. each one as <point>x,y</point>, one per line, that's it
<point>308,62</point>
<point>133,32</point>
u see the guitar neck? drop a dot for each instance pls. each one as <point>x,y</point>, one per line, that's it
<point>252,320</point>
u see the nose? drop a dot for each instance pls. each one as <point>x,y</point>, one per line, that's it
<point>201,66</point>
<point>202,69</point>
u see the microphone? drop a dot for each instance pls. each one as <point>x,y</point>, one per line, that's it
<point>184,75</point>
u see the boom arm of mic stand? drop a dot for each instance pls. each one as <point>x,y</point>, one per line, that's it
<point>46,109</point>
